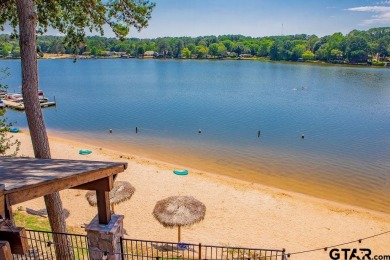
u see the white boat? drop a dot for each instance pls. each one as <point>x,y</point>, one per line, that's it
<point>14,97</point>
<point>19,97</point>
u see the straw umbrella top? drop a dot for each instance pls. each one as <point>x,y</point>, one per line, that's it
<point>179,211</point>
<point>122,191</point>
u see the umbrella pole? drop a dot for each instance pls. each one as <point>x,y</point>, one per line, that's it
<point>178,234</point>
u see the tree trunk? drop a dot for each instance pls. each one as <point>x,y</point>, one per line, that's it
<point>28,51</point>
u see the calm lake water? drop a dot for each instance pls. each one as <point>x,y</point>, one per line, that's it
<point>343,112</point>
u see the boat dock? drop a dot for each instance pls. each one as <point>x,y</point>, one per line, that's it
<point>20,105</point>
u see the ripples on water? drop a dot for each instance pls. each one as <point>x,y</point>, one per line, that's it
<point>343,113</point>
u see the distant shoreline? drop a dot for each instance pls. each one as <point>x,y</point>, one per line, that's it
<point>316,63</point>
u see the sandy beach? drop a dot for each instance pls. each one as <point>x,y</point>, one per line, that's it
<point>238,213</point>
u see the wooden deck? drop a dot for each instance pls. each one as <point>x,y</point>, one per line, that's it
<point>20,105</point>
<point>29,178</point>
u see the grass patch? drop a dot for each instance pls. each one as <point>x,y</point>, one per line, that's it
<point>22,219</point>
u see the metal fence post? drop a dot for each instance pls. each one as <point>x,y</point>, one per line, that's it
<point>122,253</point>
<point>284,257</point>
<point>200,251</point>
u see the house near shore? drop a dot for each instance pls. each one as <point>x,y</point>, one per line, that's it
<point>245,55</point>
<point>116,53</point>
<point>150,54</point>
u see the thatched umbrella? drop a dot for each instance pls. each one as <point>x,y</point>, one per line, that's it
<point>122,191</point>
<point>179,211</point>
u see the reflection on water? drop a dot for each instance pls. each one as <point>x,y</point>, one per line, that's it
<point>343,113</point>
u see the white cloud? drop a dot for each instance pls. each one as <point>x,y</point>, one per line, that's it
<point>381,16</point>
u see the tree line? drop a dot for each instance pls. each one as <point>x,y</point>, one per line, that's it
<point>354,47</point>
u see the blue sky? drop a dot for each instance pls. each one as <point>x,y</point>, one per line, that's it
<point>264,17</point>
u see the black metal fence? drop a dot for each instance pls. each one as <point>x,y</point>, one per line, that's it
<point>155,250</point>
<point>41,246</point>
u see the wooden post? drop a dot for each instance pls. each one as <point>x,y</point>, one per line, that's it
<point>103,204</point>
<point>178,236</point>
<point>5,251</point>
<point>16,236</point>
<point>200,251</point>
<point>8,215</point>
<point>2,201</point>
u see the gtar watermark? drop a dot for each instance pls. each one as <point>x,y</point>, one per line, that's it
<point>355,254</point>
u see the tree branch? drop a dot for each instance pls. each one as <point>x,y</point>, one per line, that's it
<point>4,2</point>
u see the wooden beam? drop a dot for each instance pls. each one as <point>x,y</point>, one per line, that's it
<point>105,184</point>
<point>2,201</point>
<point>16,237</point>
<point>5,251</point>
<point>8,215</point>
<point>103,204</point>
<point>31,192</point>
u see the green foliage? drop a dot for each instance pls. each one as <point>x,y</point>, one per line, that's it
<point>16,52</point>
<point>239,48</point>
<point>191,47</point>
<point>6,139</point>
<point>274,53</point>
<point>140,50</point>
<point>354,47</point>
<point>213,49</point>
<point>321,54</point>
<point>298,51</point>
<point>72,18</point>
<point>308,55</point>
<point>264,48</point>
<point>5,49</point>
<point>228,44</point>
<point>357,50</point>
<point>201,51</point>
<point>336,54</point>
<point>186,53</point>
<point>221,50</point>
<point>56,47</point>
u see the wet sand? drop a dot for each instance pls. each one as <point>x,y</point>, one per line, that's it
<point>335,179</point>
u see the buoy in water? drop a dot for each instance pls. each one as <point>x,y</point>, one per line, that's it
<point>180,172</point>
<point>303,136</point>
<point>84,152</point>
